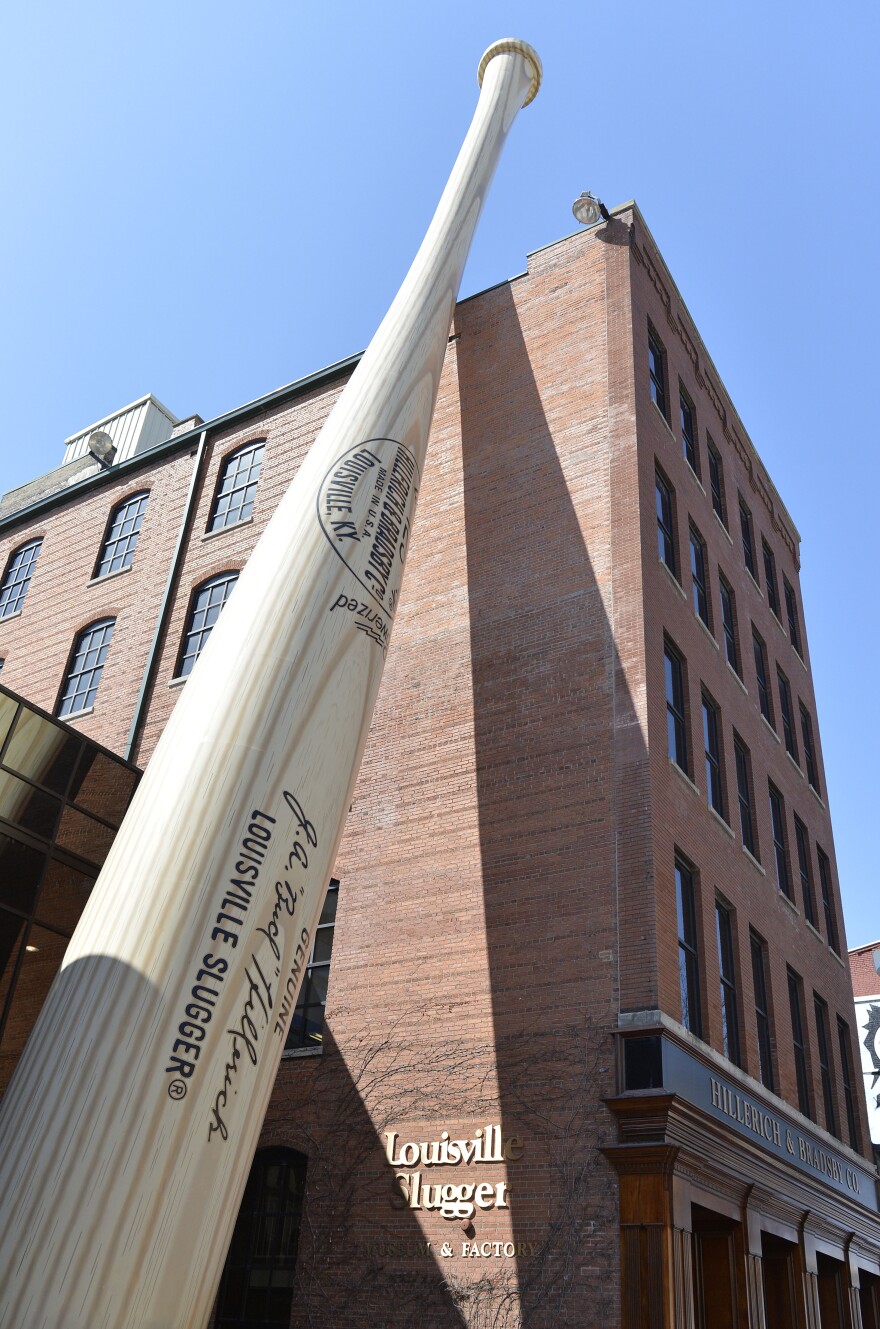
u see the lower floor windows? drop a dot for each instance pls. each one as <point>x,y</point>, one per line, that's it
<point>86,666</point>
<point>257,1284</point>
<point>307,1024</point>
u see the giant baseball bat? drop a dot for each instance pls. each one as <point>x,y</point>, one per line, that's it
<point>129,1127</point>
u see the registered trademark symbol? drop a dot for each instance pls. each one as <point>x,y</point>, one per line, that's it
<point>177,1089</point>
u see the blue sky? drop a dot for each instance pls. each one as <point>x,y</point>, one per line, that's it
<point>207,201</point>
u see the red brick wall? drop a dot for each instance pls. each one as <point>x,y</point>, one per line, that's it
<point>683,820</point>
<point>865,979</point>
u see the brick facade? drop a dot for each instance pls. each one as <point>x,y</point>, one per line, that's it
<point>507,905</point>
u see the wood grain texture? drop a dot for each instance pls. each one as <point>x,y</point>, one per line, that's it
<point>128,1130</point>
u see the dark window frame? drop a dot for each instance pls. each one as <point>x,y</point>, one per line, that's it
<point>745,796</point>
<point>823,1046</point>
<point>846,1072</point>
<point>700,576</point>
<point>786,710</point>
<point>809,751</point>
<point>762,666</point>
<point>688,947</point>
<point>17,577</point>
<point>664,501</point>
<point>724,931</point>
<point>805,868</point>
<point>657,385</point>
<point>712,746</point>
<point>83,674</point>
<point>799,1042</point>
<point>729,623</point>
<point>763,1016</point>
<point>690,441</point>
<point>303,1031</point>
<point>779,835</point>
<point>122,535</point>
<point>826,887</point>
<point>770,579</point>
<point>675,683</point>
<point>261,1261</point>
<point>791,613</point>
<point>236,488</point>
<point>716,481</point>
<point>747,530</point>
<point>196,634</point>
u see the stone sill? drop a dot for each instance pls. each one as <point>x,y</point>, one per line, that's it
<point>108,576</point>
<point>224,530</point>
<point>754,862</point>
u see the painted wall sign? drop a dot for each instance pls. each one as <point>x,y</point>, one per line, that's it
<point>750,1115</point>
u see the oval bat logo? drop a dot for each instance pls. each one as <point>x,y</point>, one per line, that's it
<point>365,506</point>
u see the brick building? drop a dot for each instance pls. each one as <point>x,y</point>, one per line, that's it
<point>589,1053</point>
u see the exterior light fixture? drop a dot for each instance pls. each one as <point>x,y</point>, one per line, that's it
<point>102,448</point>
<point>32,949</point>
<point>588,210</point>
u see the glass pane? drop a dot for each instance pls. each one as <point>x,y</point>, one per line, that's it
<point>323,945</point>
<point>328,913</point>
<point>39,966</point>
<point>12,934</point>
<point>102,786</point>
<point>84,836</point>
<point>20,868</point>
<point>8,707</point>
<point>42,751</point>
<point>63,896</point>
<point>28,807</point>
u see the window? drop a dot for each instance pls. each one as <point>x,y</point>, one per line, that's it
<point>728,623</point>
<point>795,1001</point>
<point>791,613</point>
<point>122,536</point>
<point>806,871</point>
<point>688,966</point>
<point>827,900</point>
<point>657,371</point>
<point>700,577</point>
<point>787,720</point>
<point>676,729</point>
<point>19,571</point>
<point>208,600</point>
<point>234,499</point>
<point>745,525</point>
<point>809,756</point>
<point>764,699</point>
<point>665,524</point>
<point>744,792</point>
<point>307,1025</point>
<point>846,1071</point>
<point>85,668</point>
<point>712,744</point>
<point>762,1010</point>
<point>823,1039</point>
<point>729,1016</point>
<point>688,431</point>
<point>257,1284</point>
<point>770,577</point>
<point>716,481</point>
<point>780,848</point>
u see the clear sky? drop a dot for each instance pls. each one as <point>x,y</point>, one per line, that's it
<point>207,200</point>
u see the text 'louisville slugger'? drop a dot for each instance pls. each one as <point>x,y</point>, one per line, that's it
<point>128,1130</point>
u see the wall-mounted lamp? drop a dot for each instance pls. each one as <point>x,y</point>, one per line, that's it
<point>102,448</point>
<point>588,210</point>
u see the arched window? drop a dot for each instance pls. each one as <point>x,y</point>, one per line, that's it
<point>208,599</point>
<point>19,571</point>
<point>122,535</point>
<point>86,667</point>
<point>234,499</point>
<point>256,1291</point>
